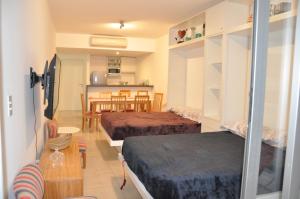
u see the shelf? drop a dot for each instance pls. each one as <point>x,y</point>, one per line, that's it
<point>188,45</point>
<point>218,63</point>
<point>244,29</point>
<point>127,73</point>
<point>218,66</point>
<point>215,91</point>
<point>275,23</point>
<point>218,35</point>
<point>113,85</point>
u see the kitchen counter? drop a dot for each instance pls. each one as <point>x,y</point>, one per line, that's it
<point>105,85</point>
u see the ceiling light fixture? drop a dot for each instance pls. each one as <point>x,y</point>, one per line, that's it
<point>117,53</point>
<point>122,25</point>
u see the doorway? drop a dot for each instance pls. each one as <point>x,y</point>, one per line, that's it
<point>72,84</point>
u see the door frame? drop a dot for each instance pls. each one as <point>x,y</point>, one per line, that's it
<point>257,98</point>
<point>291,181</point>
<point>3,187</point>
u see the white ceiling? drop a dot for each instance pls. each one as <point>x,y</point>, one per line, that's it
<point>149,18</point>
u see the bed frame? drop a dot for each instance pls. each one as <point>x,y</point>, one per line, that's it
<point>112,143</point>
<point>137,183</point>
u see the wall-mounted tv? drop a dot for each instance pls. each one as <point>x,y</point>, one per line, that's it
<point>50,82</point>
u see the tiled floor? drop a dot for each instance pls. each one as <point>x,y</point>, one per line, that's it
<point>103,175</point>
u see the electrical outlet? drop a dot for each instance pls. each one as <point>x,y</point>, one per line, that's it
<point>10,106</point>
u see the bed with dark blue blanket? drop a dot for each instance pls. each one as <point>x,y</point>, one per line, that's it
<point>207,165</point>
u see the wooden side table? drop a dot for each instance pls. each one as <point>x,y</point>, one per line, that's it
<point>66,180</point>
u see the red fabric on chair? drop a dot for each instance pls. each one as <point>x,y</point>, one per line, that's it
<point>82,149</point>
<point>82,144</point>
<point>29,183</point>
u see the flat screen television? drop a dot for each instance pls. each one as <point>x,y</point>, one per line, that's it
<point>50,82</point>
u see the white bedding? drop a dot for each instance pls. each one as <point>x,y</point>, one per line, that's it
<point>270,136</point>
<point>187,112</point>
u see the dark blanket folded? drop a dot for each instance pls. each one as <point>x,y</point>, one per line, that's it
<point>121,125</point>
<point>207,165</point>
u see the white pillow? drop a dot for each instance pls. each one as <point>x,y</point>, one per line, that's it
<point>270,136</point>
<point>240,128</point>
<point>187,112</point>
<point>274,138</point>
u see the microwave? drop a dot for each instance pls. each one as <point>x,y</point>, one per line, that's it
<point>114,66</point>
<point>114,71</point>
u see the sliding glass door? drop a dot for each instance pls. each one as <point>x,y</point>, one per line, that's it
<point>270,160</point>
<point>291,182</point>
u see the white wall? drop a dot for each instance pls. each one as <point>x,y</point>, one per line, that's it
<point>154,67</point>
<point>2,185</point>
<point>144,68</point>
<point>28,39</point>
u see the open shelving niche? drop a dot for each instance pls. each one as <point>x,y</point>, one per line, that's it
<point>185,60</point>
<point>276,22</point>
<point>213,77</point>
<point>279,63</point>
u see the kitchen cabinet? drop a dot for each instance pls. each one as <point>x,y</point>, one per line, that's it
<point>226,15</point>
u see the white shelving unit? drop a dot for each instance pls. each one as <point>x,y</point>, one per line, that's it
<point>213,78</point>
<point>195,22</point>
<point>275,23</point>
<point>220,64</point>
<point>194,43</point>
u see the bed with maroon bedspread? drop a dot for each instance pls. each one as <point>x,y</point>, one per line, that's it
<point>120,125</point>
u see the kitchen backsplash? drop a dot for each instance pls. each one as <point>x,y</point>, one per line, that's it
<point>129,78</point>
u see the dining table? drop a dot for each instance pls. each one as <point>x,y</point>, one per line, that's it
<point>95,101</point>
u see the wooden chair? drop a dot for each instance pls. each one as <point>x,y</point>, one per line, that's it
<point>106,94</point>
<point>141,92</point>
<point>105,107</point>
<point>88,115</point>
<point>118,103</point>
<point>126,93</point>
<point>141,103</point>
<point>157,102</point>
